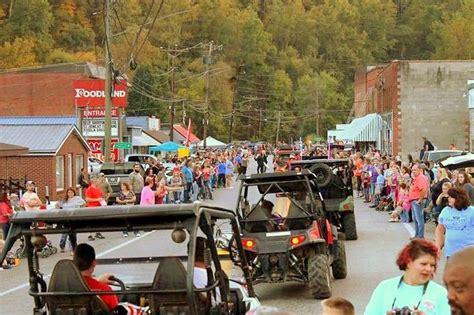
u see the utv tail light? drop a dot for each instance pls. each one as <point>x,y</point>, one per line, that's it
<point>249,244</point>
<point>296,240</point>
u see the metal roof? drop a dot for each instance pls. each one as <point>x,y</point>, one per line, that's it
<point>86,68</point>
<point>38,120</point>
<point>140,121</point>
<point>38,138</point>
<point>144,140</point>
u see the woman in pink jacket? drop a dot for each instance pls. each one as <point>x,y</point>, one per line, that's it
<point>6,211</point>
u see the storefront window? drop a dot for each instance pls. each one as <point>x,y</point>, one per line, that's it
<point>60,172</point>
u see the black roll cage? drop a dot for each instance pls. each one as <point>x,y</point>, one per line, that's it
<point>190,217</point>
<point>274,182</point>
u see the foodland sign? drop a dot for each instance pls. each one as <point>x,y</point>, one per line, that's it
<point>92,93</point>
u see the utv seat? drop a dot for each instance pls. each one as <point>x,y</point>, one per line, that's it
<point>172,302</point>
<point>67,278</point>
<point>297,224</point>
<point>259,213</point>
<point>169,303</point>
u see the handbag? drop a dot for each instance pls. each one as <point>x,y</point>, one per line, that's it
<point>378,190</point>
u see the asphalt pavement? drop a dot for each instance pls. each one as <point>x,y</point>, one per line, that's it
<point>370,260</point>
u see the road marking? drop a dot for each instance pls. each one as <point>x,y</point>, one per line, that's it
<point>24,285</point>
<point>409,228</point>
<point>15,289</point>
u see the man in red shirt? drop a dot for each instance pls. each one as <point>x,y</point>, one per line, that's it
<point>84,259</point>
<point>418,195</point>
<point>94,198</point>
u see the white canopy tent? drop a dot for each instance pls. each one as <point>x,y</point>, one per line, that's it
<point>212,143</point>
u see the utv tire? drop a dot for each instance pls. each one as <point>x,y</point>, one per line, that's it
<point>339,265</point>
<point>323,174</point>
<point>319,275</point>
<point>349,225</point>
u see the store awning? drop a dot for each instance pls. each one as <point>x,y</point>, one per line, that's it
<point>166,147</point>
<point>363,129</point>
<point>144,141</point>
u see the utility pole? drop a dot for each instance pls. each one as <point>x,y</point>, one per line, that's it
<point>231,126</point>
<point>108,85</point>
<point>173,56</point>
<point>278,127</point>
<point>173,53</point>
<point>260,125</point>
<point>317,113</point>
<point>208,61</point>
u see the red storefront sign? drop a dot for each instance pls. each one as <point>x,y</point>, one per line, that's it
<point>96,149</point>
<point>99,113</point>
<point>91,93</point>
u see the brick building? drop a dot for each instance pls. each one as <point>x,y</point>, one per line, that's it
<point>56,154</point>
<point>65,90</point>
<point>415,99</point>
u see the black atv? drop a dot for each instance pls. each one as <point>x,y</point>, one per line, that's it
<point>334,179</point>
<point>285,232</point>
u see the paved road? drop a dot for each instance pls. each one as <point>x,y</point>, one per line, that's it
<point>370,259</point>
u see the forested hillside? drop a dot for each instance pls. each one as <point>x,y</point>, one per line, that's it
<point>272,60</point>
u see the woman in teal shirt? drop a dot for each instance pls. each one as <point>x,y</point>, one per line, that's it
<point>414,289</point>
<point>455,229</point>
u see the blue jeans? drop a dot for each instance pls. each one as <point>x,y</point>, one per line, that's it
<point>404,216</point>
<point>418,218</point>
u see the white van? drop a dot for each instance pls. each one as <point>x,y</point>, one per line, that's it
<point>140,158</point>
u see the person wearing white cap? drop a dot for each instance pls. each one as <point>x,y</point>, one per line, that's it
<point>30,200</point>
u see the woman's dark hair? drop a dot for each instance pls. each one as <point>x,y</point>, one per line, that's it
<point>149,171</point>
<point>67,190</point>
<point>414,250</point>
<point>460,196</point>
<point>407,170</point>
<point>4,198</point>
<point>410,158</point>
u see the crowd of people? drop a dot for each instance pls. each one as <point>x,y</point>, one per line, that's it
<point>418,191</point>
<point>410,191</point>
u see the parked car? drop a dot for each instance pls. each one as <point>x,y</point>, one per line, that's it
<point>94,165</point>
<point>159,279</point>
<point>294,241</point>
<point>116,173</point>
<point>456,162</point>
<point>334,178</point>
<point>140,158</point>
<point>437,155</point>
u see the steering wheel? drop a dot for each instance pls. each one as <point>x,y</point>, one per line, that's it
<point>118,283</point>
